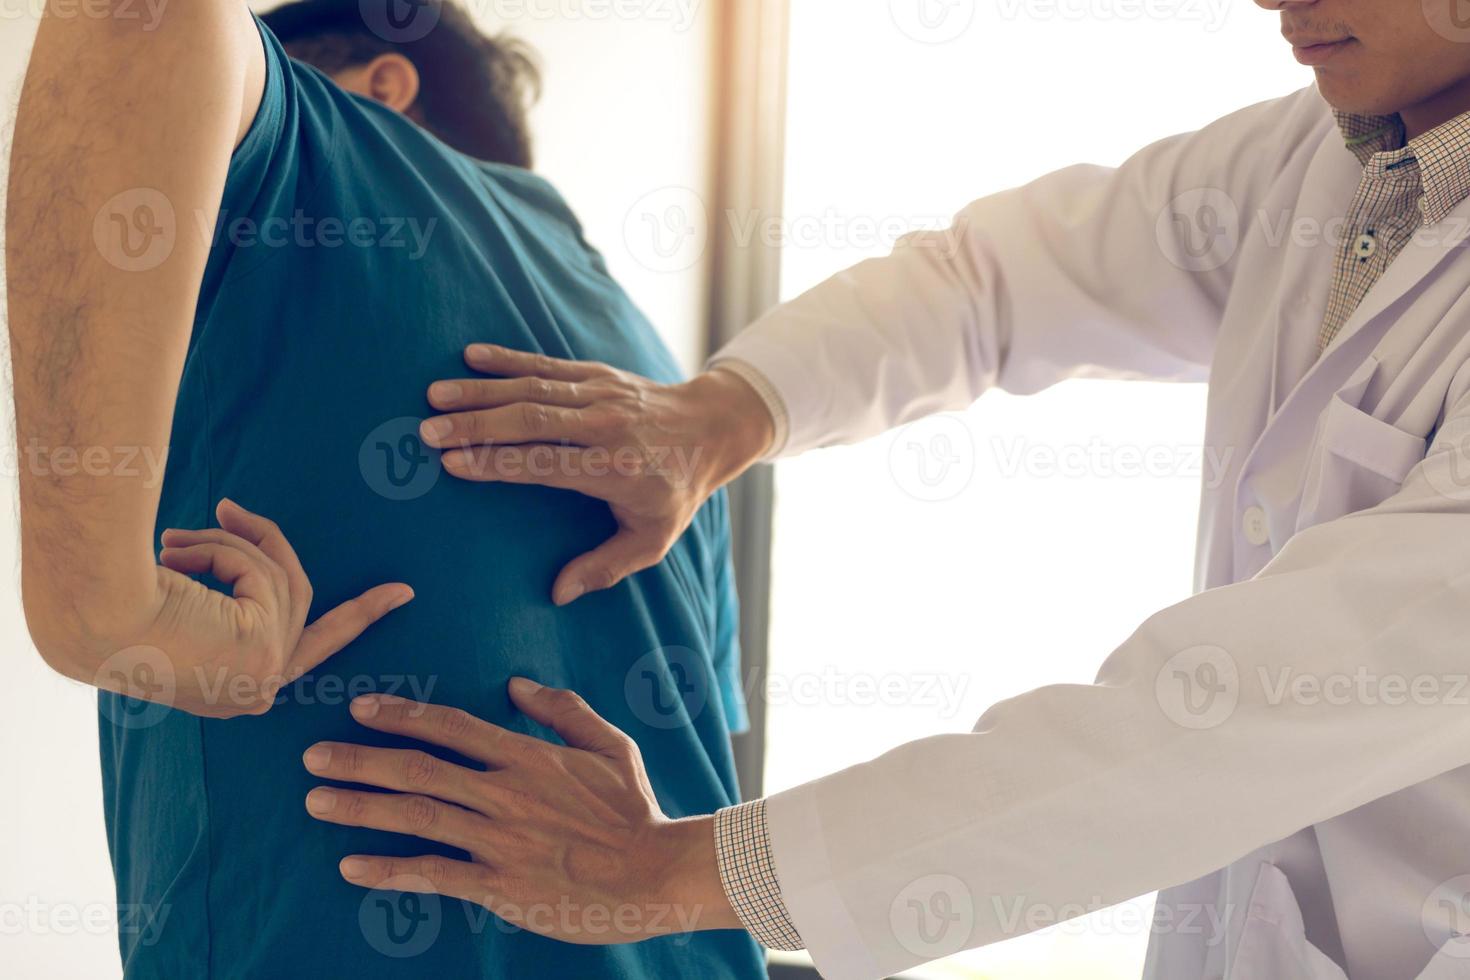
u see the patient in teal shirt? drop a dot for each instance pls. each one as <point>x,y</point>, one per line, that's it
<point>355,257</point>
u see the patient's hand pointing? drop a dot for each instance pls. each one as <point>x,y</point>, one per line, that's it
<point>654,452</point>
<point>225,654</point>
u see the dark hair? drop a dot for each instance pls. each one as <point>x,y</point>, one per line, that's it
<point>474,90</point>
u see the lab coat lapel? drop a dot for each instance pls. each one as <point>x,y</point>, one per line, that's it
<point>1430,247</point>
<point>1304,235</point>
<point>1379,312</point>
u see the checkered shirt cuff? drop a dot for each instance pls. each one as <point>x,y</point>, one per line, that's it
<point>743,847</point>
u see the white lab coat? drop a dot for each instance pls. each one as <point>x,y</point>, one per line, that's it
<point>1338,548</point>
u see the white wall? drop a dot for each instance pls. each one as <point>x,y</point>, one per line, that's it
<point>624,130</point>
<point>624,115</point>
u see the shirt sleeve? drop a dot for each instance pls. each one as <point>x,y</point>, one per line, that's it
<point>1088,272</point>
<point>743,849</point>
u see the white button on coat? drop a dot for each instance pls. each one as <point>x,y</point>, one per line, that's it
<point>1254,526</point>
<point>1342,820</point>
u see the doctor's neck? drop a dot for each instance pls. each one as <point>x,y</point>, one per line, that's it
<point>1381,57</point>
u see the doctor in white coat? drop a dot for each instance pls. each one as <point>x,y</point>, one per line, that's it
<point>1286,755</point>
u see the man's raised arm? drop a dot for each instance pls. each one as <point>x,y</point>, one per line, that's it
<point>122,145</point>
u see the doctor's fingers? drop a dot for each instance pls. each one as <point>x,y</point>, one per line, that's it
<point>494,359</point>
<point>594,472</point>
<point>512,424</point>
<point>450,728</point>
<point>403,770</point>
<point>463,395</point>
<point>401,813</point>
<point>427,875</point>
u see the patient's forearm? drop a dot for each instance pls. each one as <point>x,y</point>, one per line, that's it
<point>122,142</point>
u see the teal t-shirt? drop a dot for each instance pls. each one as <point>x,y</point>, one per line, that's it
<point>354,258</point>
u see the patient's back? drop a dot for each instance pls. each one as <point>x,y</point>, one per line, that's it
<point>354,260</point>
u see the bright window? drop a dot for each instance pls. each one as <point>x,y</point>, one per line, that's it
<point>925,575</point>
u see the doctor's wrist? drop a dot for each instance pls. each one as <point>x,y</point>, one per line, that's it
<point>691,874</point>
<point>738,429</point>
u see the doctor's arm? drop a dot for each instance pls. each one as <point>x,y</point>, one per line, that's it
<point>123,138</point>
<point>1223,724</point>
<point>1088,272</point>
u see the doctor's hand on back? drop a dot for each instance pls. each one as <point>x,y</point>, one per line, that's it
<point>567,841</point>
<point>654,452</point>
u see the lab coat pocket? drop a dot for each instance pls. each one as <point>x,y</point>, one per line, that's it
<point>1359,461</point>
<point>1273,944</point>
